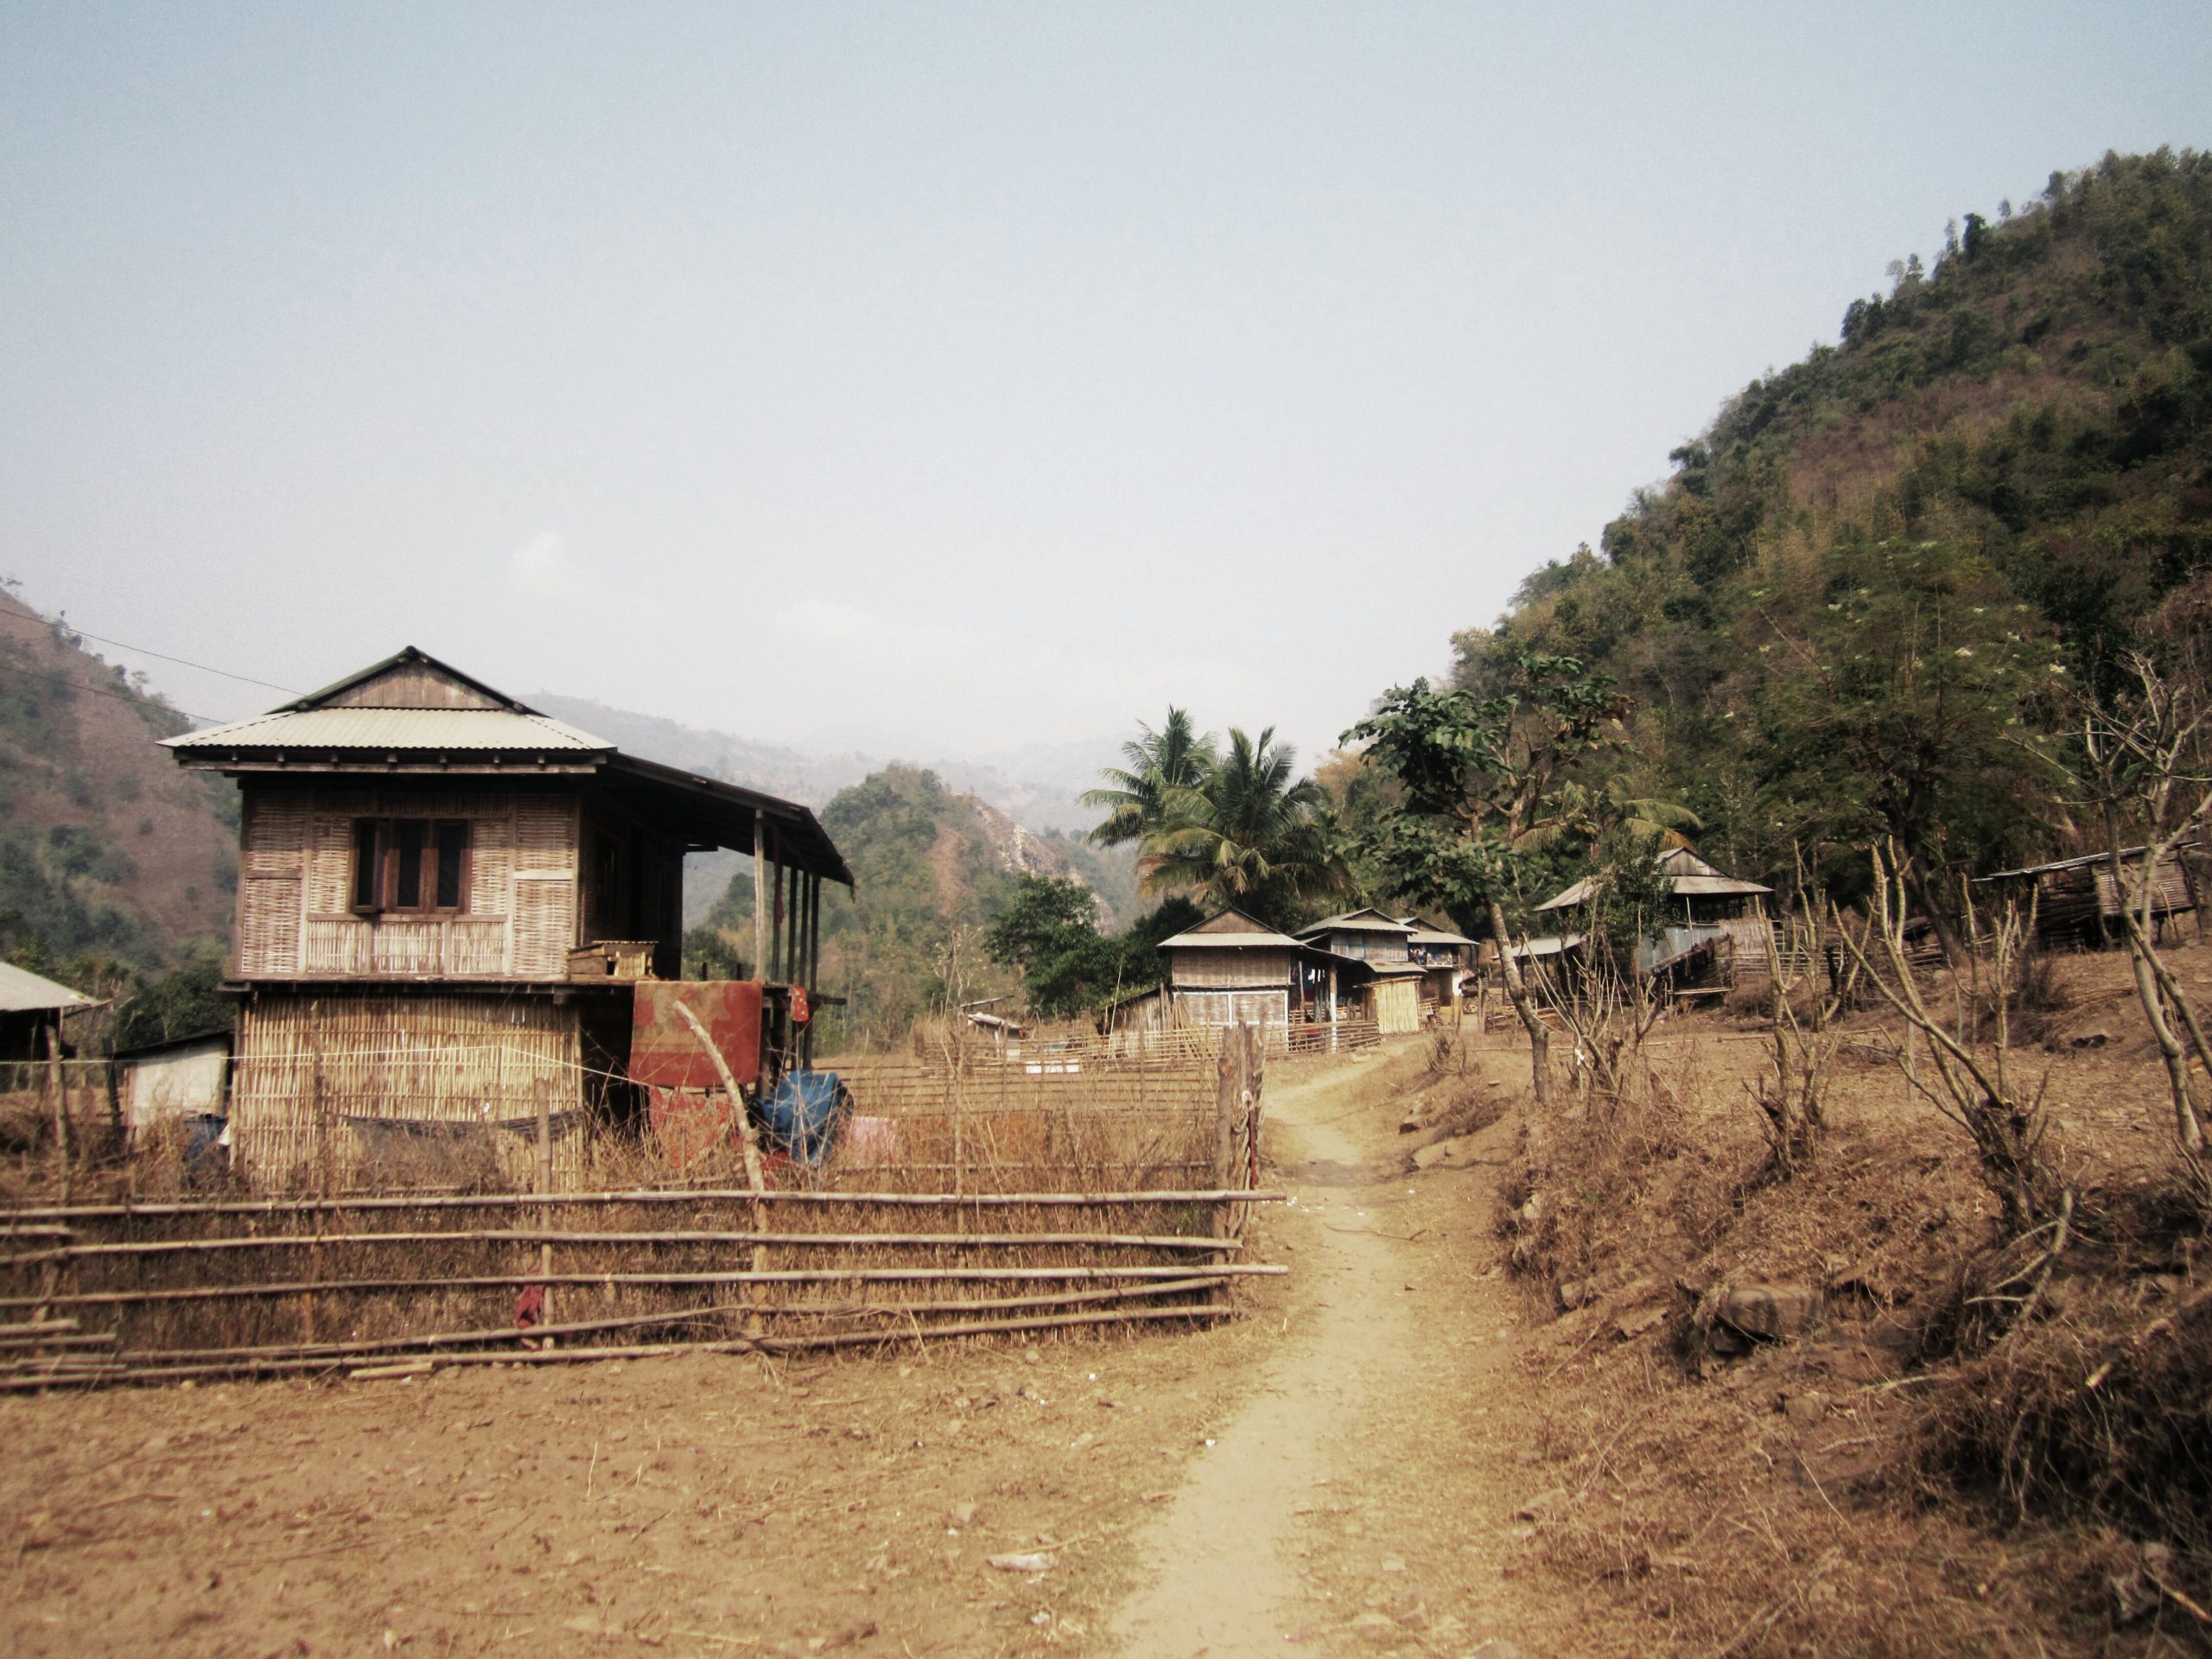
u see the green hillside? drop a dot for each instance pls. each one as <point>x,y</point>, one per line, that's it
<point>111,857</point>
<point>932,868</point>
<point>1878,577</point>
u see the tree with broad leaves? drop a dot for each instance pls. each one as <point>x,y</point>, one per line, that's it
<point>1482,776</point>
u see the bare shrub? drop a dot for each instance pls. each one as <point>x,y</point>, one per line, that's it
<point>1967,1082</point>
<point>1791,1094</point>
<point>2095,1401</point>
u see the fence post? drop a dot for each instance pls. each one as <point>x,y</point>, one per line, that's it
<point>58,1088</point>
<point>1231,1072</point>
<point>544,1091</point>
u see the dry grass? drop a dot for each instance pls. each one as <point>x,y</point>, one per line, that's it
<point>976,1130</point>
<point>1914,1475</point>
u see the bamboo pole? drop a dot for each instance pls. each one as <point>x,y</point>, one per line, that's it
<point>752,1175</point>
<point>641,1196</point>
<point>546,1239</point>
<point>680,1316</point>
<point>217,1367</point>
<point>760,896</point>
<point>543,1088</point>
<point>776,1276</point>
<point>66,1339</point>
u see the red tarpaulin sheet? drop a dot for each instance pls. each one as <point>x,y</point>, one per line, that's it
<point>665,1055</point>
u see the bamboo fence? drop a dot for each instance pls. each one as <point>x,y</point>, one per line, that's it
<point>980,1195</point>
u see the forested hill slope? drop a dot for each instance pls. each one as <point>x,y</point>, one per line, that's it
<point>931,867</point>
<point>106,847</point>
<point>1879,575</point>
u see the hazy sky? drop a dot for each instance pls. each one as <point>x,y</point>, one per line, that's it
<point>941,377</point>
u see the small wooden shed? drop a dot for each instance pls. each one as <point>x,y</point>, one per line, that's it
<point>1718,924</point>
<point>2078,903</point>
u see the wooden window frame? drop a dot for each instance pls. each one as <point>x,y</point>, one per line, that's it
<point>379,839</point>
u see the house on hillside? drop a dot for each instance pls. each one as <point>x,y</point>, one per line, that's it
<point>1445,959</point>
<point>1717,928</point>
<point>458,919</point>
<point>32,1009</point>
<point>1383,945</point>
<point>2077,903</point>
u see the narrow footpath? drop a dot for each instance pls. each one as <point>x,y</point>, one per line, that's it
<point>1364,1496</point>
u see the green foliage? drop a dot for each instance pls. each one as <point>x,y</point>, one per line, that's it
<point>183,1002</point>
<point>710,954</point>
<point>1838,617</point>
<point>44,915</point>
<point>1049,933</point>
<point>1160,764</point>
<point>925,874</point>
<point>1483,777</point>
<point>1250,833</point>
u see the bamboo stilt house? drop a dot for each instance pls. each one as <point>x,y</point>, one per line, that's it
<point>453,911</point>
<point>1716,927</point>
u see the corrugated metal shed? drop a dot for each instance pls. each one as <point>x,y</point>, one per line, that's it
<point>470,731</point>
<point>24,992</point>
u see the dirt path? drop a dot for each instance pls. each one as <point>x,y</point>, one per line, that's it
<point>1310,1516</point>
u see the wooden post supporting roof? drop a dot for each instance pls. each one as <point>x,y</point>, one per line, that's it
<point>760,894</point>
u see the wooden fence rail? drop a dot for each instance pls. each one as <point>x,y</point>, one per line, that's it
<point>194,1284</point>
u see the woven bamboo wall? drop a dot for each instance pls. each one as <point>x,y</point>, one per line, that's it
<point>1397,1005</point>
<point>1096,1113</point>
<point>335,1092</point>
<point>297,870</point>
<point>1215,969</point>
<point>1270,1008</point>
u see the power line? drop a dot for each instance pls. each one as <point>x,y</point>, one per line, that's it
<point>182,662</point>
<point>106,691</point>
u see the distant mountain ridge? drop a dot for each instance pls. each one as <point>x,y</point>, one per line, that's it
<point>1047,802</point>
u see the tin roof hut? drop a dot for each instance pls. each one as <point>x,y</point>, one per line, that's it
<point>453,909</point>
<point>1720,924</point>
<point>32,1008</point>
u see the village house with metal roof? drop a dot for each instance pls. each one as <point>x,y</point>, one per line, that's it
<point>453,911</point>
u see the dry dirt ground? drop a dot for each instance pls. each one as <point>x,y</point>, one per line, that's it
<point>1345,1469</point>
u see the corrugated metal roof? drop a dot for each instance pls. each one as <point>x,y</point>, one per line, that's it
<point>1437,936</point>
<point>1688,876</point>
<point>1550,945</point>
<point>2056,865</point>
<point>473,731</point>
<point>1356,921</point>
<point>1195,940</point>
<point>23,991</point>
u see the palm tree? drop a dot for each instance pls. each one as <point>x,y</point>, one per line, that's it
<point>1161,763</point>
<point>1583,812</point>
<point>1250,834</point>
